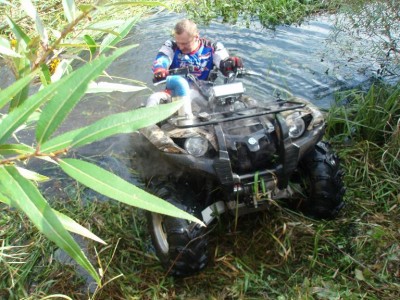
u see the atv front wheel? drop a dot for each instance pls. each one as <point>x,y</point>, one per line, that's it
<point>181,245</point>
<point>321,181</point>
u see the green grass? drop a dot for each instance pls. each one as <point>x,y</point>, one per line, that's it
<point>269,13</point>
<point>273,255</point>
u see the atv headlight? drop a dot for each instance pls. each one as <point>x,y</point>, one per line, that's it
<point>196,146</point>
<point>296,125</point>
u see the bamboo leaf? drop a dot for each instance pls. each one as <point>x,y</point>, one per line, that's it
<point>126,122</point>
<point>114,187</point>
<point>108,87</point>
<point>18,32</point>
<point>69,93</point>
<point>61,141</point>
<point>105,25</point>
<point>45,76</point>
<point>68,223</point>
<point>21,96</point>
<point>86,7</point>
<point>21,113</point>
<point>31,11</point>
<point>75,227</point>
<point>28,198</point>
<point>28,174</point>
<point>91,43</point>
<point>5,48</point>
<point>111,40</point>
<point>69,9</point>
<point>15,149</point>
<point>62,68</point>
<point>7,94</point>
<point>57,91</point>
<point>5,200</point>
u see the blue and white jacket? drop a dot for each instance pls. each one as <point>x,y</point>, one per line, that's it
<point>202,59</point>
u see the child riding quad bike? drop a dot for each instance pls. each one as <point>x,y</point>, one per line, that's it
<point>226,152</point>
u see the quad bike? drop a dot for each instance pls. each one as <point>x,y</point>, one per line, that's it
<point>226,152</point>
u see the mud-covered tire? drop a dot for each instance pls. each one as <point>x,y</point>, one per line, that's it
<point>181,245</point>
<point>322,181</point>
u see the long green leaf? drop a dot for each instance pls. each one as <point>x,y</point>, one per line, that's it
<point>7,94</point>
<point>21,113</point>
<point>126,122</point>
<point>68,223</point>
<point>31,202</point>
<point>69,9</point>
<point>114,187</point>
<point>5,48</point>
<point>61,141</point>
<point>70,93</point>
<point>108,87</point>
<point>15,149</point>
<point>91,43</point>
<point>18,32</point>
<point>31,11</point>
<point>72,226</point>
<point>5,200</point>
<point>31,175</point>
<point>111,40</point>
<point>23,66</point>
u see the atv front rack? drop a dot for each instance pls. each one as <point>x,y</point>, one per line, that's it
<point>204,119</point>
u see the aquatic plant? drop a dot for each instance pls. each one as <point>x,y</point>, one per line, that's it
<point>268,13</point>
<point>379,23</point>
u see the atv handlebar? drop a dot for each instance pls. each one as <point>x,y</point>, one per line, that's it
<point>186,71</point>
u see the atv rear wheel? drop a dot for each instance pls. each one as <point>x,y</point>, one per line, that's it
<point>181,245</point>
<point>321,181</point>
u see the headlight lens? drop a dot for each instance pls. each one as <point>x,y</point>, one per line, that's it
<point>196,146</point>
<point>296,125</point>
